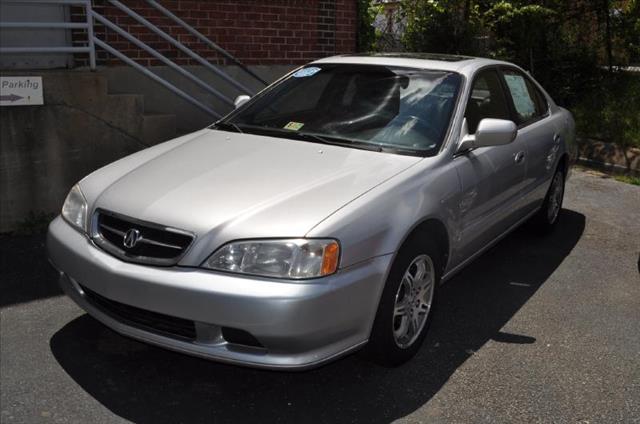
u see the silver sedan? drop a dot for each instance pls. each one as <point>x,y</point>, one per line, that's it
<point>320,216</point>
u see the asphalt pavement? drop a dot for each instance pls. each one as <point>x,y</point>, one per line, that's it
<point>538,329</point>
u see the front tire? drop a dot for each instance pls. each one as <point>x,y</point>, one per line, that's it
<point>406,305</point>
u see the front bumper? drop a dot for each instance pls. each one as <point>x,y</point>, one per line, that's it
<point>299,324</point>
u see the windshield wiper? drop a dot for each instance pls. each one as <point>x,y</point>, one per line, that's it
<point>401,150</point>
<point>374,147</point>
<point>228,126</point>
<point>304,136</point>
<point>317,138</point>
<point>339,141</point>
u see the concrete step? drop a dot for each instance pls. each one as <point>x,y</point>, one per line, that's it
<point>80,89</point>
<point>123,111</point>
<point>158,127</point>
<point>90,92</point>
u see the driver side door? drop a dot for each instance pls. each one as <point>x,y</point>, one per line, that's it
<point>492,177</point>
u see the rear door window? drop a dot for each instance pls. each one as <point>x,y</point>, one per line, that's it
<point>529,104</point>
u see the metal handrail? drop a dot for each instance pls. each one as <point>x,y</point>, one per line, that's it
<point>64,25</point>
<point>93,41</point>
<point>88,25</point>
<point>88,10</point>
<point>181,46</point>
<point>205,40</point>
<point>162,58</point>
<point>61,2</point>
<point>156,78</point>
<point>51,49</point>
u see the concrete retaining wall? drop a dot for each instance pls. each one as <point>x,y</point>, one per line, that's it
<point>609,157</point>
<point>46,149</point>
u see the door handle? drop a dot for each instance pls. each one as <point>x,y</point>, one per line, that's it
<point>556,138</point>
<point>519,157</point>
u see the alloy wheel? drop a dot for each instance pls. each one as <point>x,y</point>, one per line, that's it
<point>555,198</point>
<point>413,301</point>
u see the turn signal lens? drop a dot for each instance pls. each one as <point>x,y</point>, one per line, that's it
<point>330,258</point>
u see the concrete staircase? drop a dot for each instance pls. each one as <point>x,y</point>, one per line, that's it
<point>89,92</point>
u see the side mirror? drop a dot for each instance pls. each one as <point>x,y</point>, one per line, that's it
<point>240,100</point>
<point>495,132</point>
<point>490,132</point>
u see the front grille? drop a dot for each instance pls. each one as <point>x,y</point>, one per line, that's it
<point>154,244</point>
<point>153,322</point>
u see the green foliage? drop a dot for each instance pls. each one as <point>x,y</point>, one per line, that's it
<point>610,112</point>
<point>366,33</point>
<point>628,179</point>
<point>428,25</point>
<point>445,26</point>
<point>520,32</point>
<point>627,23</point>
<point>544,41</point>
<point>564,44</point>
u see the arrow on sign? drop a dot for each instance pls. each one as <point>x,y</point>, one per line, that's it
<point>10,98</point>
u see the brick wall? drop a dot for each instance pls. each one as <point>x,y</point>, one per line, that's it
<point>257,32</point>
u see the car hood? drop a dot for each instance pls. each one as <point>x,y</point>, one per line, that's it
<point>223,185</point>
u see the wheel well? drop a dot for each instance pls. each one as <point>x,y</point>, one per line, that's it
<point>433,228</point>
<point>563,164</point>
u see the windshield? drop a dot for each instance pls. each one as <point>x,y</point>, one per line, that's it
<point>375,107</point>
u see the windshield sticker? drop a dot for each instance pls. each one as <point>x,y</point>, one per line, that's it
<point>293,126</point>
<point>306,72</point>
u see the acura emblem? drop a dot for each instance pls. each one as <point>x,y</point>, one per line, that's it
<point>131,238</point>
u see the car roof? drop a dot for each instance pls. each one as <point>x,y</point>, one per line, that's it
<point>455,63</point>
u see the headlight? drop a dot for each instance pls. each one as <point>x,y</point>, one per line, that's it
<point>294,258</point>
<point>74,210</point>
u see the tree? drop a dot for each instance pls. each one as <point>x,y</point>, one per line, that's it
<point>626,26</point>
<point>366,33</point>
<point>445,26</point>
<point>611,113</point>
<point>572,47</point>
<point>520,30</point>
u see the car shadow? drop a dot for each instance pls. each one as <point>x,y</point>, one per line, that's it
<point>145,384</point>
<point>25,274</point>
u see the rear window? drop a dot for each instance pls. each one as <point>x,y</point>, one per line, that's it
<point>528,101</point>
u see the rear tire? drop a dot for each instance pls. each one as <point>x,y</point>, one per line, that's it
<point>406,305</point>
<point>546,219</point>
